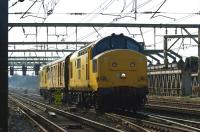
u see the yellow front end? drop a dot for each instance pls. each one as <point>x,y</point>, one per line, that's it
<point>120,79</point>
<point>121,68</point>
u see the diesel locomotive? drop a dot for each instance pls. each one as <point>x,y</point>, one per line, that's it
<point>110,73</point>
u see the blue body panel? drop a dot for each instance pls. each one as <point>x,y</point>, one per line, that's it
<point>116,42</point>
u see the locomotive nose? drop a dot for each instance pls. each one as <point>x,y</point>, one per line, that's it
<point>123,75</point>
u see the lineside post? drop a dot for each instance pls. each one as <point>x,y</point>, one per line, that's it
<point>199,60</point>
<point>165,52</point>
<point>4,66</point>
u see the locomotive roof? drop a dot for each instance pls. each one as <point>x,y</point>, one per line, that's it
<point>94,45</point>
<point>116,42</point>
<point>56,61</point>
<point>108,38</point>
<point>118,36</point>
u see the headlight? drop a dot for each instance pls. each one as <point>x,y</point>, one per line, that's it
<point>123,75</point>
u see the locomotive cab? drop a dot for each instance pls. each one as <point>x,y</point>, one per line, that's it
<point>119,73</point>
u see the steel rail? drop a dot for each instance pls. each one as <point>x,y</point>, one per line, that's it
<point>174,109</point>
<point>34,121</point>
<point>151,124</point>
<point>183,121</point>
<point>154,117</point>
<point>175,103</point>
<point>171,99</point>
<point>49,124</point>
<point>128,124</point>
<point>83,120</point>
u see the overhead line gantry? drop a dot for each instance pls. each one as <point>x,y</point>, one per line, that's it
<point>166,50</point>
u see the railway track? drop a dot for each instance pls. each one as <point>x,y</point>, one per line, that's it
<point>42,122</point>
<point>36,124</point>
<point>195,124</point>
<point>164,104</point>
<point>153,123</point>
<point>95,126</point>
<point>175,103</point>
<point>172,109</point>
<point>129,127</point>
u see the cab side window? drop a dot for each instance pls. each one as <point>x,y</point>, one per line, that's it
<point>78,63</point>
<point>71,70</point>
<point>94,65</point>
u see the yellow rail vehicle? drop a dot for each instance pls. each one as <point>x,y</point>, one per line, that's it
<point>43,80</point>
<point>110,73</point>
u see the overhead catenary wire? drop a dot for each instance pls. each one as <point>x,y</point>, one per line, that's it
<point>158,9</point>
<point>190,14</point>
<point>126,13</point>
<point>101,9</point>
<point>92,13</point>
<point>140,5</point>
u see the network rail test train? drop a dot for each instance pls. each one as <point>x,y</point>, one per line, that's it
<point>107,74</point>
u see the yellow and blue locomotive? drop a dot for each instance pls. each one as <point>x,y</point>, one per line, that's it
<point>110,73</point>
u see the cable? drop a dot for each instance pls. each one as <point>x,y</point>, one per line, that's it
<point>13,4</point>
<point>124,6</point>
<point>101,9</point>
<point>86,36</point>
<point>158,9</point>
